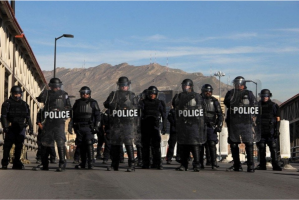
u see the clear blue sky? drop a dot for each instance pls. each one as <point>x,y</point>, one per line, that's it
<point>258,40</point>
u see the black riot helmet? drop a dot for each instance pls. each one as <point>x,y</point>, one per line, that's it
<point>265,93</point>
<point>16,90</point>
<point>85,90</point>
<point>239,81</point>
<point>187,82</point>
<point>206,88</point>
<point>152,90</point>
<point>123,81</point>
<point>55,83</point>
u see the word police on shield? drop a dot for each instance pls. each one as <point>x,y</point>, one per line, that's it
<point>125,113</point>
<point>57,114</point>
<point>246,110</point>
<point>191,113</point>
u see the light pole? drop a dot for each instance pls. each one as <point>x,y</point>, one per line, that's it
<point>219,74</point>
<point>64,35</point>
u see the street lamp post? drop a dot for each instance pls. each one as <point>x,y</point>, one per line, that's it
<point>219,74</point>
<point>64,35</point>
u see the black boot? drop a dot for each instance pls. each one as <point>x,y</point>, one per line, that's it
<point>212,147</point>
<point>250,161</point>
<point>17,164</point>
<point>208,154</point>
<point>274,157</point>
<point>83,152</point>
<point>62,161</point>
<point>131,161</point>
<point>201,159</point>
<point>90,155</point>
<point>184,155</point>
<point>262,155</point>
<point>115,152</point>
<point>139,156</point>
<point>196,152</point>
<point>45,161</point>
<point>178,153</point>
<point>145,157</point>
<point>236,157</point>
<point>6,149</point>
<point>157,161</point>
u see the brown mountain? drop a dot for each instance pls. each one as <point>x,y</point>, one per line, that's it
<point>102,79</point>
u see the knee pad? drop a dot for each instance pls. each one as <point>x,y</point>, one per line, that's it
<point>272,145</point>
<point>234,146</point>
<point>261,145</point>
<point>89,142</point>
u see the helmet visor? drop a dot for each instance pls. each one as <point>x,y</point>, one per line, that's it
<point>239,82</point>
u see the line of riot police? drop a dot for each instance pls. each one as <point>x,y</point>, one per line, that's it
<point>195,118</point>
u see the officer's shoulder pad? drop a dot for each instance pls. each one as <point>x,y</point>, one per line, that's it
<point>213,98</point>
<point>6,103</point>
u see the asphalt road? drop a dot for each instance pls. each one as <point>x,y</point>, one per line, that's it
<point>147,183</point>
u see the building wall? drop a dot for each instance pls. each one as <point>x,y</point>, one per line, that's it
<point>18,65</point>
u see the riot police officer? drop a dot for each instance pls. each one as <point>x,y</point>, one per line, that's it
<point>240,124</point>
<point>213,120</point>
<point>86,121</point>
<point>124,122</point>
<point>153,110</point>
<point>48,150</point>
<point>15,117</point>
<point>190,125</point>
<point>104,137</point>
<point>270,123</point>
<point>172,138</point>
<point>57,108</point>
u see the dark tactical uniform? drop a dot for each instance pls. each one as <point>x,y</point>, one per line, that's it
<point>57,108</point>
<point>15,117</point>
<point>152,112</point>
<point>243,127</point>
<point>124,123</point>
<point>86,122</point>
<point>50,150</point>
<point>172,138</point>
<point>214,122</point>
<point>190,125</point>
<point>104,137</point>
<point>269,131</point>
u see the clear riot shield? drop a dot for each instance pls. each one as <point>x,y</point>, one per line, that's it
<point>190,124</point>
<point>124,119</point>
<point>245,124</point>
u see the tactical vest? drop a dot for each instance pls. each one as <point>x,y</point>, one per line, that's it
<point>17,113</point>
<point>209,105</point>
<point>267,116</point>
<point>55,101</point>
<point>83,111</point>
<point>151,108</point>
<point>240,98</point>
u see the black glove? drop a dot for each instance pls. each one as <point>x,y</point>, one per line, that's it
<point>163,131</point>
<point>95,130</point>
<point>5,130</point>
<point>30,131</point>
<point>276,134</point>
<point>217,130</point>
<point>70,130</point>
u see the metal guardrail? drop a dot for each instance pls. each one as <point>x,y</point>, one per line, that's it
<point>294,151</point>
